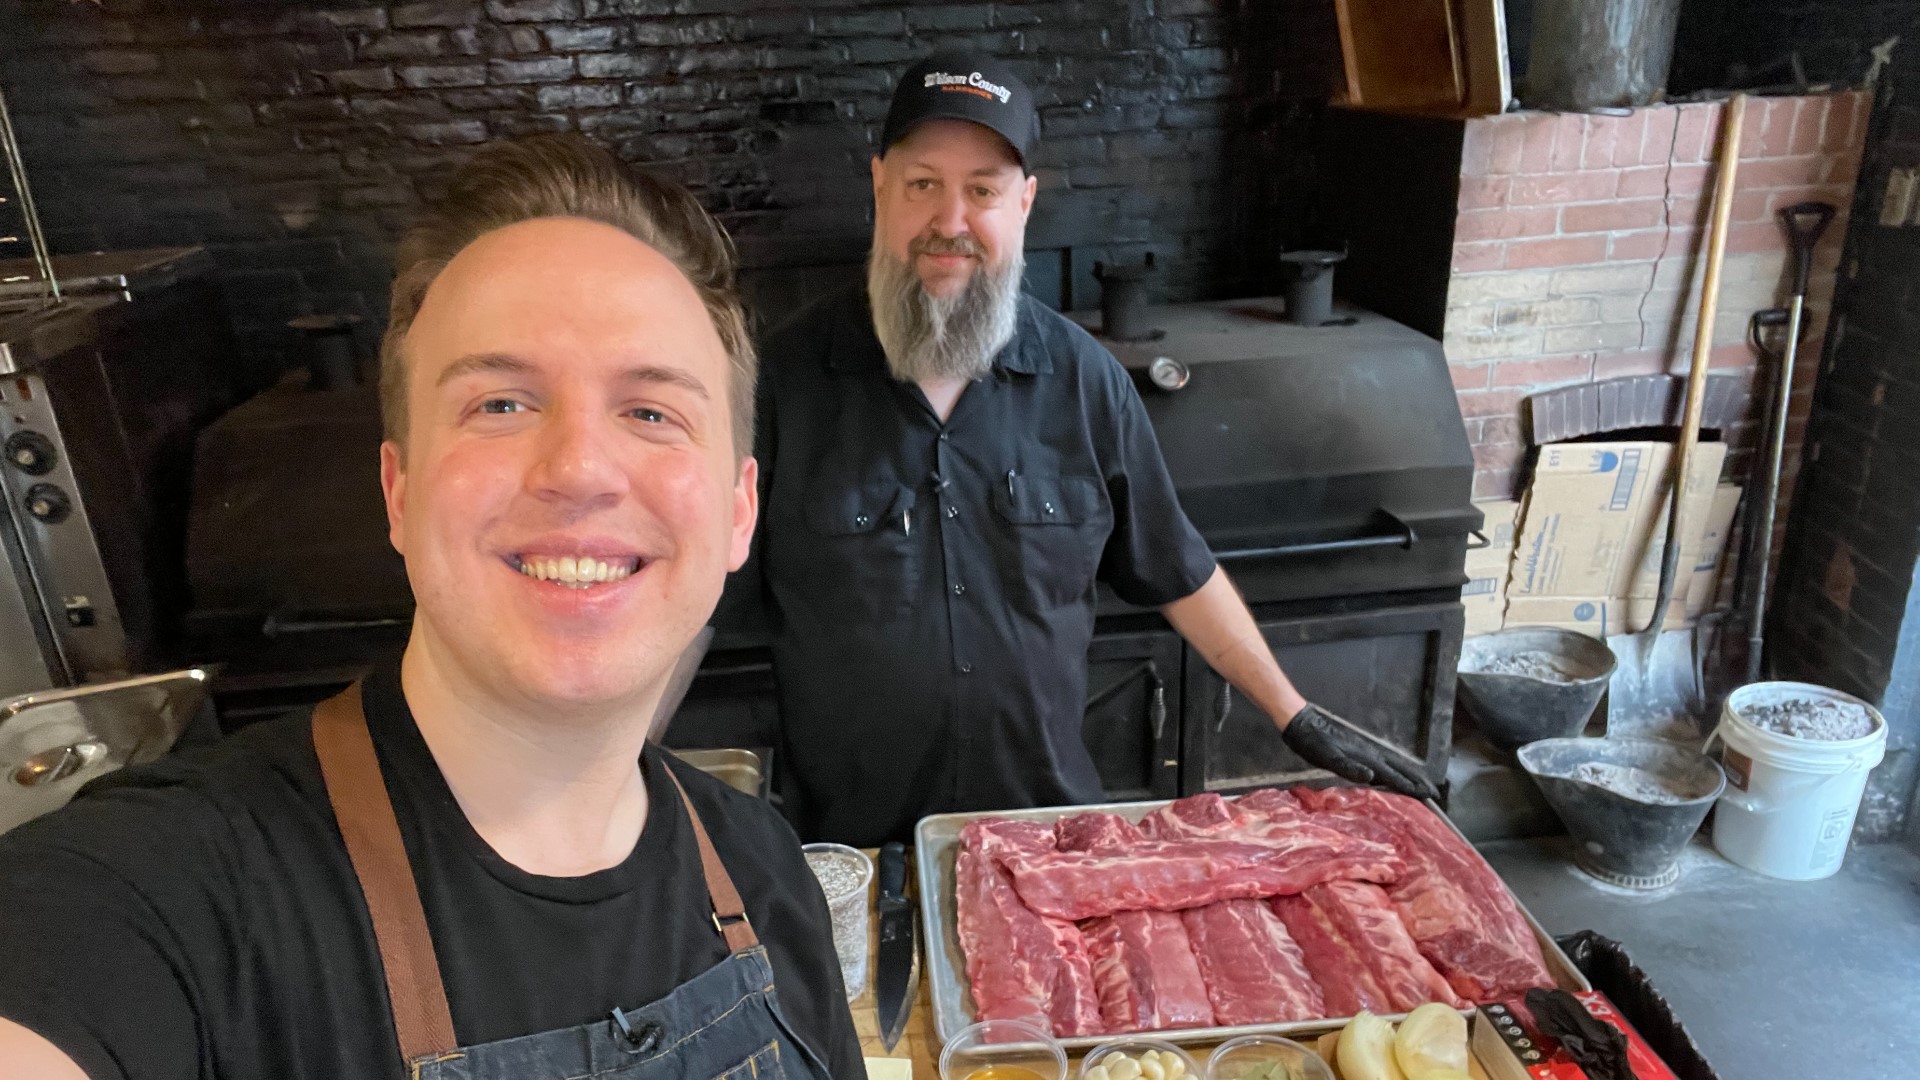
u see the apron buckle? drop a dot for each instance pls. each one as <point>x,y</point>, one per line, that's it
<point>732,920</point>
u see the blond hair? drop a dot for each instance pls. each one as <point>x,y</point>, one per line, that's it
<point>540,176</point>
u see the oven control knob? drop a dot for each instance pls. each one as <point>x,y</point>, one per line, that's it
<point>31,452</point>
<point>48,503</point>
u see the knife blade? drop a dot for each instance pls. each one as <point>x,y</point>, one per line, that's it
<point>896,980</point>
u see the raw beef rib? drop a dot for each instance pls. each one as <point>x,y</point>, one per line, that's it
<point>1019,964</point>
<point>1358,951</point>
<point>1169,875</point>
<point>1254,972</point>
<point>1457,909</point>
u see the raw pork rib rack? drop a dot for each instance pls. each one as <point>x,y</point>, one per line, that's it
<point>1275,907</point>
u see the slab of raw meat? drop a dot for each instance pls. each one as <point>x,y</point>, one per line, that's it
<point>1095,831</point>
<point>998,838</point>
<point>1358,951</point>
<point>1194,816</point>
<point>1459,912</point>
<point>1269,803</point>
<point>1145,972</point>
<point>1019,965</point>
<point>1007,983</point>
<point>1254,972</point>
<point>1170,875</point>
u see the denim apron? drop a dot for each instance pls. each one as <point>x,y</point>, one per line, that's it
<point>724,1022</point>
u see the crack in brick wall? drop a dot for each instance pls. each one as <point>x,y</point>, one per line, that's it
<point>1576,254</point>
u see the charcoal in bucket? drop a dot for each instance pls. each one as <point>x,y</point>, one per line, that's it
<point>1532,682</point>
<point>1630,805</point>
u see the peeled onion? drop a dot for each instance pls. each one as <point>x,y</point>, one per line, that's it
<point>1433,1037</point>
<point>1366,1050</point>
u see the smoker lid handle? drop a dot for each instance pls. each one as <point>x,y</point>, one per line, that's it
<point>1403,537</point>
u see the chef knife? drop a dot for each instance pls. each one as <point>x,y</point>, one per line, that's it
<point>895,982</point>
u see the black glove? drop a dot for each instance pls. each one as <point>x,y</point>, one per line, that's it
<point>1597,1047</point>
<point>1331,743</point>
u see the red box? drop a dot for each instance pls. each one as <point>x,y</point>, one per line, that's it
<point>1511,1047</point>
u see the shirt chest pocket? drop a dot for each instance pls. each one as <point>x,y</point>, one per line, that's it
<point>1056,528</point>
<point>866,561</point>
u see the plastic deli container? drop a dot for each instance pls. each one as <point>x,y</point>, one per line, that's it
<point>1255,1055</point>
<point>1789,805</point>
<point>1137,1050</point>
<point>1003,1050</point>
<point>844,874</point>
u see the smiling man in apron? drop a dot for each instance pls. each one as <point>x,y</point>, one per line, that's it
<point>471,866</point>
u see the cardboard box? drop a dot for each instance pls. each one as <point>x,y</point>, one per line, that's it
<point>1594,616</point>
<point>1596,517</point>
<point>1485,593</point>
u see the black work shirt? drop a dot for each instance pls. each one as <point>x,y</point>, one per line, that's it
<point>931,586</point>
<point>198,918</point>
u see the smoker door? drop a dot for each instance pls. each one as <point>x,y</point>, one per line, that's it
<point>1132,725</point>
<point>1389,671</point>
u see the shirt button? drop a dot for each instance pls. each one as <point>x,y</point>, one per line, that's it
<point>953,511</point>
<point>860,521</point>
<point>943,436</point>
<point>966,669</point>
<point>959,590</point>
<point>1049,508</point>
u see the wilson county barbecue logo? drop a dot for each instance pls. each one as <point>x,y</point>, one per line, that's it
<point>970,83</point>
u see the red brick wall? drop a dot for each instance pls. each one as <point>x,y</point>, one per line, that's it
<point>1576,253</point>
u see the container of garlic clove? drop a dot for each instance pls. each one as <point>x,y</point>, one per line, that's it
<point>1138,1059</point>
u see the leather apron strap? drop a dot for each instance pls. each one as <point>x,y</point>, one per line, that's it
<point>372,834</point>
<point>729,912</point>
<point>358,793</point>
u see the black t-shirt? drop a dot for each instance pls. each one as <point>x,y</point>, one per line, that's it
<point>198,918</point>
<point>932,584</point>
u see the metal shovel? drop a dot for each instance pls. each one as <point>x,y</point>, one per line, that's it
<point>1804,223</point>
<point>1657,688</point>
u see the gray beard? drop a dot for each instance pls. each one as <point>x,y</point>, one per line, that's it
<point>927,337</point>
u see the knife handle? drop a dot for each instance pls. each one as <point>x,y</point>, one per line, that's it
<point>893,871</point>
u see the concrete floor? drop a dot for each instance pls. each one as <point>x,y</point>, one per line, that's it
<point>1772,978</point>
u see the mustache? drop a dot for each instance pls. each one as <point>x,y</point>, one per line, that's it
<point>964,244</point>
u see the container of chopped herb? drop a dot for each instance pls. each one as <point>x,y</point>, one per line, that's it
<point>1265,1057</point>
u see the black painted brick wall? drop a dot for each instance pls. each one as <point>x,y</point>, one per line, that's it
<point>1831,36</point>
<point>296,139</point>
<point>1845,589</point>
<point>1846,583</point>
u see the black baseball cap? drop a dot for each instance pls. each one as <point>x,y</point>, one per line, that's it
<point>962,86</point>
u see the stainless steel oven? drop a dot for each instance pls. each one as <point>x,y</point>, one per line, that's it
<point>101,396</point>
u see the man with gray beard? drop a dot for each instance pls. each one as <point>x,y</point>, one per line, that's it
<point>948,467</point>
<point>928,336</point>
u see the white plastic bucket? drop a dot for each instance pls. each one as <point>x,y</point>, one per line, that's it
<point>1789,805</point>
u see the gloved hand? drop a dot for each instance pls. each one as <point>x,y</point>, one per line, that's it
<point>1331,743</point>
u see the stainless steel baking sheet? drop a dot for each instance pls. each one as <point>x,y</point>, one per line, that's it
<point>739,769</point>
<point>936,842</point>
